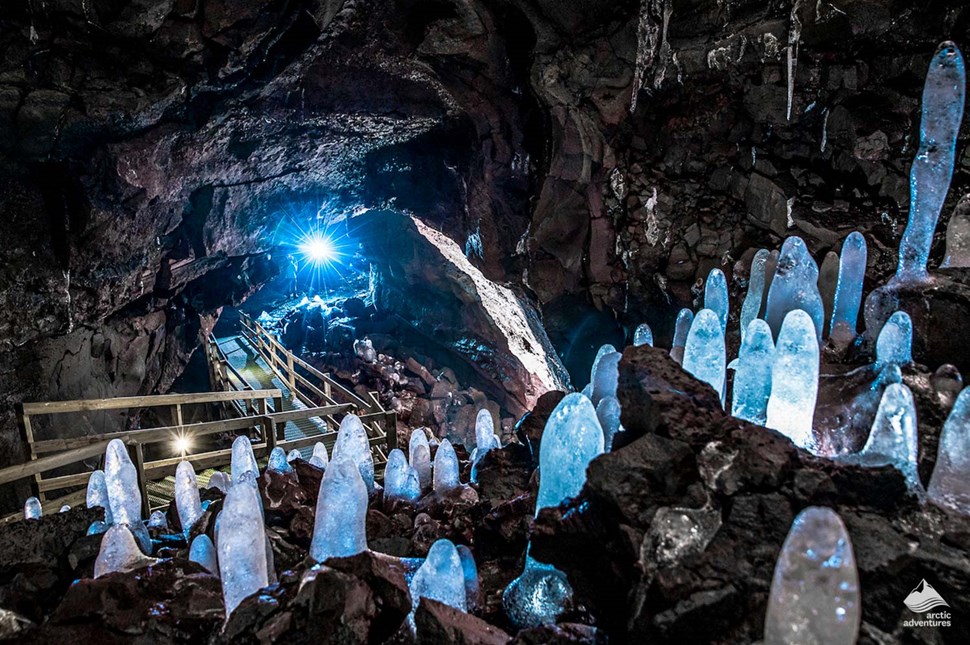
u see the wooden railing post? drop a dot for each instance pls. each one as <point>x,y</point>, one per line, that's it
<point>291,371</point>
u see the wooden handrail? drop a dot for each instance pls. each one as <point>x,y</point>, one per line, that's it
<point>147,401</point>
<point>37,466</point>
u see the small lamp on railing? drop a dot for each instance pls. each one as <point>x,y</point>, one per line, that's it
<point>182,444</point>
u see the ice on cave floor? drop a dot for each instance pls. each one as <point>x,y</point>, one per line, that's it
<point>158,521</point>
<point>97,494</point>
<point>320,458</point>
<point>65,508</point>
<point>339,529</point>
<point>473,590</point>
<point>187,499</point>
<point>685,318</point>
<point>676,533</point>
<point>704,355</point>
<point>606,376</point>
<point>278,462</point>
<point>124,496</point>
<point>203,551</point>
<point>794,380</point>
<point>894,345</point>
<point>32,509</point>
<point>848,291</point>
<point>400,479</point>
<point>642,335</point>
<point>419,456</point>
<point>752,377</point>
<point>571,439</point>
<point>947,383</point>
<point>97,528</point>
<point>828,278</point>
<point>751,306</point>
<point>958,236</point>
<point>892,438</point>
<point>445,471</point>
<point>932,170</point>
<point>485,439</point>
<point>219,480</point>
<point>716,296</point>
<point>293,455</point>
<point>119,552</point>
<point>950,482</point>
<point>814,595</point>
<point>608,412</point>
<point>243,460</point>
<point>794,286</point>
<point>440,577</point>
<point>352,443</point>
<point>241,543</point>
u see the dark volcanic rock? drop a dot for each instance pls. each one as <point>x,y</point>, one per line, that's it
<point>440,623</point>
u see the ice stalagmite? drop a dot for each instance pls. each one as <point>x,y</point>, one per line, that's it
<point>795,286</point>
<point>571,439</point>
<point>643,335</point>
<point>203,551</point>
<point>600,353</point>
<point>400,479</point>
<point>278,462</point>
<point>485,439</point>
<point>958,236</point>
<point>158,521</point>
<point>419,456</point>
<point>241,544</point>
<point>352,443</point>
<point>892,439</point>
<point>704,356</point>
<point>293,455</point>
<point>752,378</point>
<point>440,577</point>
<point>320,458</point>
<point>716,296</point>
<point>814,595</point>
<point>219,480</point>
<point>187,499</point>
<point>445,472</point>
<point>32,509</point>
<point>97,494</point>
<point>119,552</point>
<point>794,380</point>
<point>608,412</point>
<point>473,591</point>
<point>606,376</point>
<point>751,306</point>
<point>950,483</point>
<point>848,291</point>
<point>243,459</point>
<point>124,496</point>
<point>685,318</point>
<point>339,529</point>
<point>828,278</point>
<point>929,179</point>
<point>895,342</point>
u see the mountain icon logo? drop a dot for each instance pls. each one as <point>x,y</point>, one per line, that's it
<point>924,598</point>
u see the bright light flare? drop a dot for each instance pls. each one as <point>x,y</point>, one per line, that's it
<point>319,249</point>
<point>182,444</point>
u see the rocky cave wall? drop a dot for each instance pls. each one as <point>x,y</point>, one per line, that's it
<point>148,149</point>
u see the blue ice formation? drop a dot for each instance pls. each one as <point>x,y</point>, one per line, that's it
<point>642,335</point>
<point>473,592</point>
<point>485,439</point>
<point>828,281</point>
<point>606,376</point>
<point>124,496</point>
<point>929,179</point>
<point>203,551</point>
<point>241,543</point>
<point>814,595</point>
<point>445,472</point>
<point>958,236</point>
<point>892,439</point>
<point>278,462</point>
<point>571,439</point>
<point>794,286</point>
<point>419,456</point>
<point>243,460</point>
<point>608,412</point>
<point>293,455</point>
<point>716,296</point>
<point>600,353</point>
<point>158,521</point>
<point>187,499</point>
<point>352,443</point>
<point>950,483</point>
<point>794,380</point>
<point>752,378</point>
<point>97,494</point>
<point>219,480</point>
<point>895,342</point>
<point>119,552</point>
<point>400,479</point>
<point>440,577</point>
<point>751,306</point>
<point>339,529</point>
<point>32,509</point>
<point>320,458</point>
<point>704,355</point>
<point>685,318</point>
<point>848,292</point>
